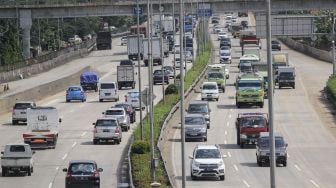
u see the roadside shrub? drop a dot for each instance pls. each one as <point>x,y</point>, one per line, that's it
<point>140,147</point>
<point>171,89</point>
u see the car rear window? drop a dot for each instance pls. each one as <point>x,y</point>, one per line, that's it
<point>106,122</point>
<point>114,112</point>
<point>22,105</point>
<point>126,62</point>
<point>17,149</point>
<point>82,168</point>
<point>74,89</point>
<point>198,108</point>
<point>107,86</point>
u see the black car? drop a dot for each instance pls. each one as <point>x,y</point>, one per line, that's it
<point>126,62</point>
<point>129,110</point>
<point>82,173</point>
<point>157,77</point>
<point>225,42</point>
<point>276,45</point>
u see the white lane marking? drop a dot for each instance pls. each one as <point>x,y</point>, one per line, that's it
<point>65,156</point>
<point>245,182</point>
<point>83,134</point>
<point>57,168</point>
<point>225,132</point>
<point>297,167</point>
<point>50,185</point>
<point>230,116</point>
<point>73,145</point>
<point>235,167</point>
<point>225,142</point>
<point>227,124</point>
<point>51,102</point>
<point>314,183</point>
<point>71,111</point>
<point>229,154</point>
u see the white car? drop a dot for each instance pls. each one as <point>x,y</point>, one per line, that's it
<point>210,91</point>
<point>119,114</point>
<point>225,49</point>
<point>178,63</point>
<point>108,90</point>
<point>132,98</point>
<point>227,72</point>
<point>225,58</point>
<point>222,35</point>
<point>188,56</point>
<point>207,161</point>
<point>123,40</point>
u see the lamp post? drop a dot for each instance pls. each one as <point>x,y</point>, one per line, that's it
<point>161,51</point>
<point>333,43</point>
<point>174,40</point>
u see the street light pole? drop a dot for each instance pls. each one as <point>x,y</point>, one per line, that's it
<point>182,97</point>
<point>174,41</point>
<point>161,52</point>
<point>139,69</point>
<point>333,44</point>
<point>270,94</point>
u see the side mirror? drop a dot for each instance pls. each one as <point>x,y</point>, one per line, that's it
<point>65,170</point>
<point>186,110</point>
<point>34,152</point>
<point>93,123</point>
<point>60,120</point>
<point>103,112</point>
<point>191,157</point>
<point>2,152</point>
<point>100,170</point>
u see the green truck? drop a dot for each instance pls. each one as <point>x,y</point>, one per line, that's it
<point>261,69</point>
<point>216,73</point>
<point>250,90</point>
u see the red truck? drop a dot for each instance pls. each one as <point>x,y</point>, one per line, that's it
<point>248,37</point>
<point>249,126</point>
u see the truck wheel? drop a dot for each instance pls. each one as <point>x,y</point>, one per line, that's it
<point>95,141</point>
<point>242,144</point>
<point>117,141</point>
<point>4,172</point>
<point>193,177</point>
<point>284,163</point>
<point>14,122</point>
<point>261,105</point>
<point>29,171</point>
<point>222,178</point>
<point>100,100</point>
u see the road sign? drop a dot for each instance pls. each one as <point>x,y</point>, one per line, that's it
<point>205,12</point>
<point>138,11</point>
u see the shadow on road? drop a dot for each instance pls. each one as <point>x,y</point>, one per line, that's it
<point>226,106</point>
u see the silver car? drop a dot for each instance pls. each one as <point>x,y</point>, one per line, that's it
<point>107,129</point>
<point>119,114</point>
<point>20,111</point>
<point>133,98</point>
<point>200,107</point>
<point>195,127</point>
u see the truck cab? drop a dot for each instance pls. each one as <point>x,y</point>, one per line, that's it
<point>249,90</point>
<point>249,58</point>
<point>216,73</point>
<point>249,126</point>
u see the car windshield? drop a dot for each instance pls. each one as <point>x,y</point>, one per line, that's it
<point>157,72</point>
<point>225,54</point>
<point>106,123</point>
<point>107,86</point>
<point>74,89</point>
<point>194,120</point>
<point>253,121</point>
<point>275,42</point>
<point>22,105</point>
<point>248,61</point>
<point>249,85</point>
<point>134,94</point>
<point>225,48</point>
<point>210,86</point>
<point>198,108</point>
<point>168,68</point>
<point>17,148</point>
<point>286,75</point>
<point>207,154</point>
<point>216,75</point>
<point>114,112</point>
<point>82,168</point>
<point>264,142</point>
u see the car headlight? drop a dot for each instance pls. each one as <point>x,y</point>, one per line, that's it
<point>195,164</point>
<point>203,129</point>
<point>221,164</point>
<point>282,153</point>
<point>243,136</point>
<point>263,153</point>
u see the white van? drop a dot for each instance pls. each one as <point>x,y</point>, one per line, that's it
<point>108,91</point>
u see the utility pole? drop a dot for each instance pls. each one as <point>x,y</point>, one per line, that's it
<point>182,97</point>
<point>161,52</point>
<point>139,70</point>
<point>174,41</point>
<point>333,43</point>
<point>270,94</point>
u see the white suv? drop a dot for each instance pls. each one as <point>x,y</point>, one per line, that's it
<point>210,91</point>
<point>20,111</point>
<point>207,161</point>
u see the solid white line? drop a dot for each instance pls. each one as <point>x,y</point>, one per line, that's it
<point>229,154</point>
<point>50,185</point>
<point>233,102</point>
<point>73,145</point>
<point>225,132</point>
<point>71,111</point>
<point>245,182</point>
<point>288,155</point>
<point>65,156</point>
<point>297,167</point>
<point>225,142</point>
<point>314,183</point>
<point>83,134</point>
<point>227,124</point>
<point>235,167</point>
<point>57,168</point>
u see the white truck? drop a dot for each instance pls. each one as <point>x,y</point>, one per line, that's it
<point>286,76</point>
<point>279,59</point>
<point>251,49</point>
<point>156,55</point>
<point>132,46</point>
<point>17,158</point>
<point>125,76</point>
<point>42,125</point>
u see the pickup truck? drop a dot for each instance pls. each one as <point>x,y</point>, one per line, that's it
<point>17,158</point>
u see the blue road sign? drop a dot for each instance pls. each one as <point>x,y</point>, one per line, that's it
<point>205,12</point>
<point>138,11</point>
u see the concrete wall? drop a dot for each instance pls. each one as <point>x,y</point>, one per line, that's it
<point>40,92</point>
<point>308,50</point>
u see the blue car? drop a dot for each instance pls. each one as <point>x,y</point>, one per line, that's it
<point>75,93</point>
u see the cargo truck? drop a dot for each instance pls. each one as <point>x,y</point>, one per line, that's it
<point>104,40</point>
<point>125,76</point>
<point>132,46</point>
<point>248,37</point>
<point>156,55</point>
<point>279,59</point>
<point>249,126</point>
<point>249,90</point>
<point>251,49</point>
<point>42,125</point>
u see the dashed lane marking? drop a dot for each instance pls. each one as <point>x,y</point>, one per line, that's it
<point>65,156</point>
<point>245,182</point>
<point>235,167</point>
<point>83,134</point>
<point>229,154</point>
<point>314,183</point>
<point>50,185</point>
<point>74,144</point>
<point>297,167</point>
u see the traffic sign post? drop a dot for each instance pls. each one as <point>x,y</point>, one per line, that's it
<point>137,11</point>
<point>205,12</point>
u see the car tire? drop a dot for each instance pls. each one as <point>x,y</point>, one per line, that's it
<point>100,100</point>
<point>242,145</point>
<point>261,105</point>
<point>134,118</point>
<point>193,177</point>
<point>294,86</point>
<point>217,99</point>
<point>259,163</point>
<point>205,139</point>
<point>28,171</point>
<point>222,178</point>
<point>117,141</point>
<point>95,141</point>
<point>238,140</point>
<point>284,163</point>
<point>14,122</point>
<point>67,100</point>
<point>202,99</point>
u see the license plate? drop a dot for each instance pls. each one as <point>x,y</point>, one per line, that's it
<point>84,178</point>
<point>23,113</point>
<point>107,94</point>
<point>106,130</point>
<point>38,140</point>
<point>134,100</point>
<point>209,95</point>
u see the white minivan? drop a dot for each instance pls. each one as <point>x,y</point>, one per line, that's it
<point>210,91</point>
<point>108,91</point>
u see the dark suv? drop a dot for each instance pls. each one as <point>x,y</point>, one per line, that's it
<point>126,62</point>
<point>82,173</point>
<point>276,45</point>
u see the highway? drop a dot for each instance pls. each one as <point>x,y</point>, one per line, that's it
<point>75,134</point>
<point>300,115</point>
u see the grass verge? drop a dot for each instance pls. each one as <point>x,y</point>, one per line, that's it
<point>331,87</point>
